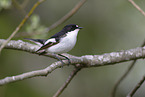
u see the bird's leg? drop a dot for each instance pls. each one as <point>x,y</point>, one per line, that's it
<point>44,52</point>
<point>60,60</point>
<point>65,58</point>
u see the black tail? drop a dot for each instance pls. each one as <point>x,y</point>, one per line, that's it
<point>37,41</point>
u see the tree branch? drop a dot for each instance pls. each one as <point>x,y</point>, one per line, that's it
<point>136,87</point>
<point>43,72</point>
<point>137,7</point>
<point>58,22</point>
<point>21,24</point>
<point>122,78</point>
<point>71,76</point>
<point>124,75</point>
<point>87,60</point>
<point>67,16</point>
<point>62,19</point>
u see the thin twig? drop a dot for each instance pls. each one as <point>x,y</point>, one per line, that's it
<point>71,76</point>
<point>60,21</point>
<point>122,78</point>
<point>21,24</point>
<point>136,87</point>
<point>124,75</point>
<point>67,16</point>
<point>136,6</point>
<point>36,73</point>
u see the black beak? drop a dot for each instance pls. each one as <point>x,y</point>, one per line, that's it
<point>80,27</point>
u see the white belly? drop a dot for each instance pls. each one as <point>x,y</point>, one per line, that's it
<point>65,44</point>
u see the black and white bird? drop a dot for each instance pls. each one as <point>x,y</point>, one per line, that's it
<point>59,43</point>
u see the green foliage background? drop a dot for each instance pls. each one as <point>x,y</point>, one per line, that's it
<point>109,25</point>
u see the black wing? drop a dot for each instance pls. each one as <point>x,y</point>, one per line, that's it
<point>48,43</point>
<point>59,34</point>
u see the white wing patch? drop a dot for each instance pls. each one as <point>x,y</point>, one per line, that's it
<point>50,40</point>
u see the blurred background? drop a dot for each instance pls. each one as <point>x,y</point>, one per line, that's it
<point>109,26</point>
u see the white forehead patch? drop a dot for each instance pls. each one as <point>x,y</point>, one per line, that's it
<point>77,26</point>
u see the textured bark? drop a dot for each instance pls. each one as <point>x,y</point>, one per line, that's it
<point>85,61</point>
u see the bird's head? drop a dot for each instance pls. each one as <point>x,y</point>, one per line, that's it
<point>71,27</point>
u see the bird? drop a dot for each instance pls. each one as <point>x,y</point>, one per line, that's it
<point>61,42</point>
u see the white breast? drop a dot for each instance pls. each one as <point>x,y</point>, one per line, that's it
<point>66,43</point>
